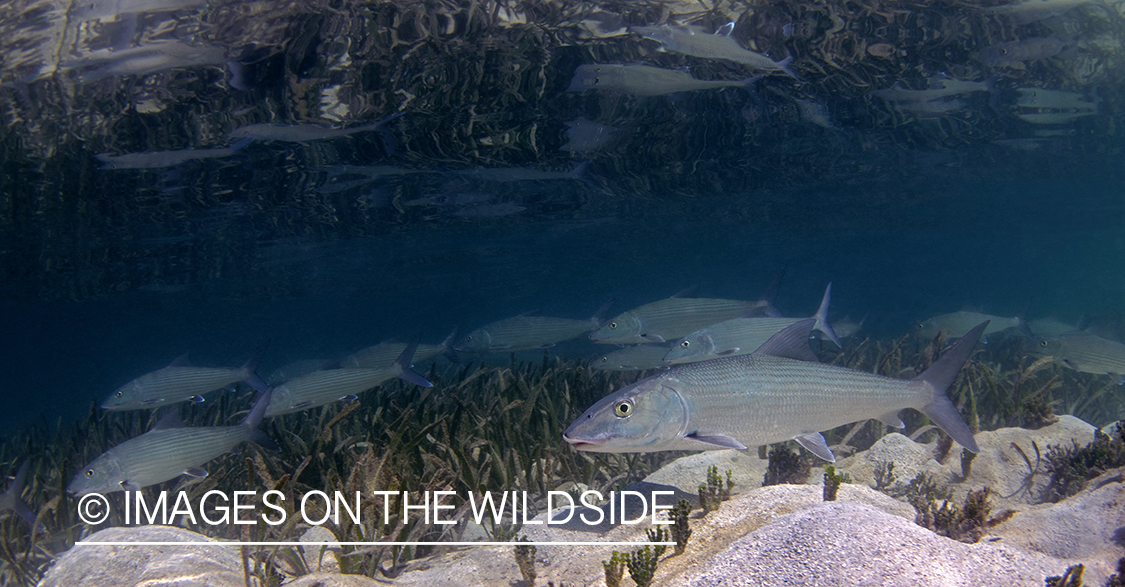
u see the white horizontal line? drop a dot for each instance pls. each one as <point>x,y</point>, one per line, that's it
<point>216,543</point>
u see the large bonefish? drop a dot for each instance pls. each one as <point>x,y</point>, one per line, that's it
<point>777,393</point>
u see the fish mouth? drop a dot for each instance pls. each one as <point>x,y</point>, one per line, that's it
<point>583,443</point>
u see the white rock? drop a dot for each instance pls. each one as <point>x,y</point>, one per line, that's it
<point>686,473</point>
<point>313,557</point>
<point>845,543</point>
<point>998,466</point>
<point>127,566</point>
<point>1082,528</point>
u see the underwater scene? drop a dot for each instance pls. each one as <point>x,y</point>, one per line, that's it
<point>560,292</point>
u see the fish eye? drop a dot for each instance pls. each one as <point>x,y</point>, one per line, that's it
<point>118,394</point>
<point>604,359</point>
<point>1043,343</point>
<point>624,408</point>
<point>685,344</point>
<point>89,473</point>
<point>468,338</point>
<point>612,325</point>
<point>921,326</point>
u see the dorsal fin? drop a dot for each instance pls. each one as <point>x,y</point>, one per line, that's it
<point>771,292</point>
<point>447,344</point>
<point>599,317</point>
<point>791,343</point>
<point>534,312</point>
<point>690,292</point>
<point>181,361</point>
<point>726,29</point>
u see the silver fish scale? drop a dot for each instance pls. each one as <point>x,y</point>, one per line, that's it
<point>785,397</point>
<point>957,324</point>
<point>160,455</point>
<point>745,333</point>
<point>187,381</point>
<point>634,358</point>
<point>677,317</point>
<point>324,387</point>
<point>525,332</point>
<point>1089,354</point>
<point>383,355</point>
<point>757,329</point>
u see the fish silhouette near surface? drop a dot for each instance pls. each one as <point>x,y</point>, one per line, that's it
<point>644,80</point>
<point>693,41</point>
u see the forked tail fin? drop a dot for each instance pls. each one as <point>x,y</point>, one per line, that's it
<point>254,418</point>
<point>11,499</point>
<point>940,376</point>
<point>402,366</point>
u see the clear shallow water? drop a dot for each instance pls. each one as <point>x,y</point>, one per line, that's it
<point>110,273</point>
<point>323,300</point>
<point>179,177</point>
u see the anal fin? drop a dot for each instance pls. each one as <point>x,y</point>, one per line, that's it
<point>718,440</point>
<point>814,443</point>
<point>891,419</point>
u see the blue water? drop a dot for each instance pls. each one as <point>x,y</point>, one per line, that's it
<point>109,274</point>
<point>995,247</point>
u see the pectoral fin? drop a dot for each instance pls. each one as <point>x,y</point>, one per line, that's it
<point>814,443</point>
<point>891,419</point>
<point>732,350</point>
<point>717,440</point>
<point>197,472</point>
<point>653,337</point>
